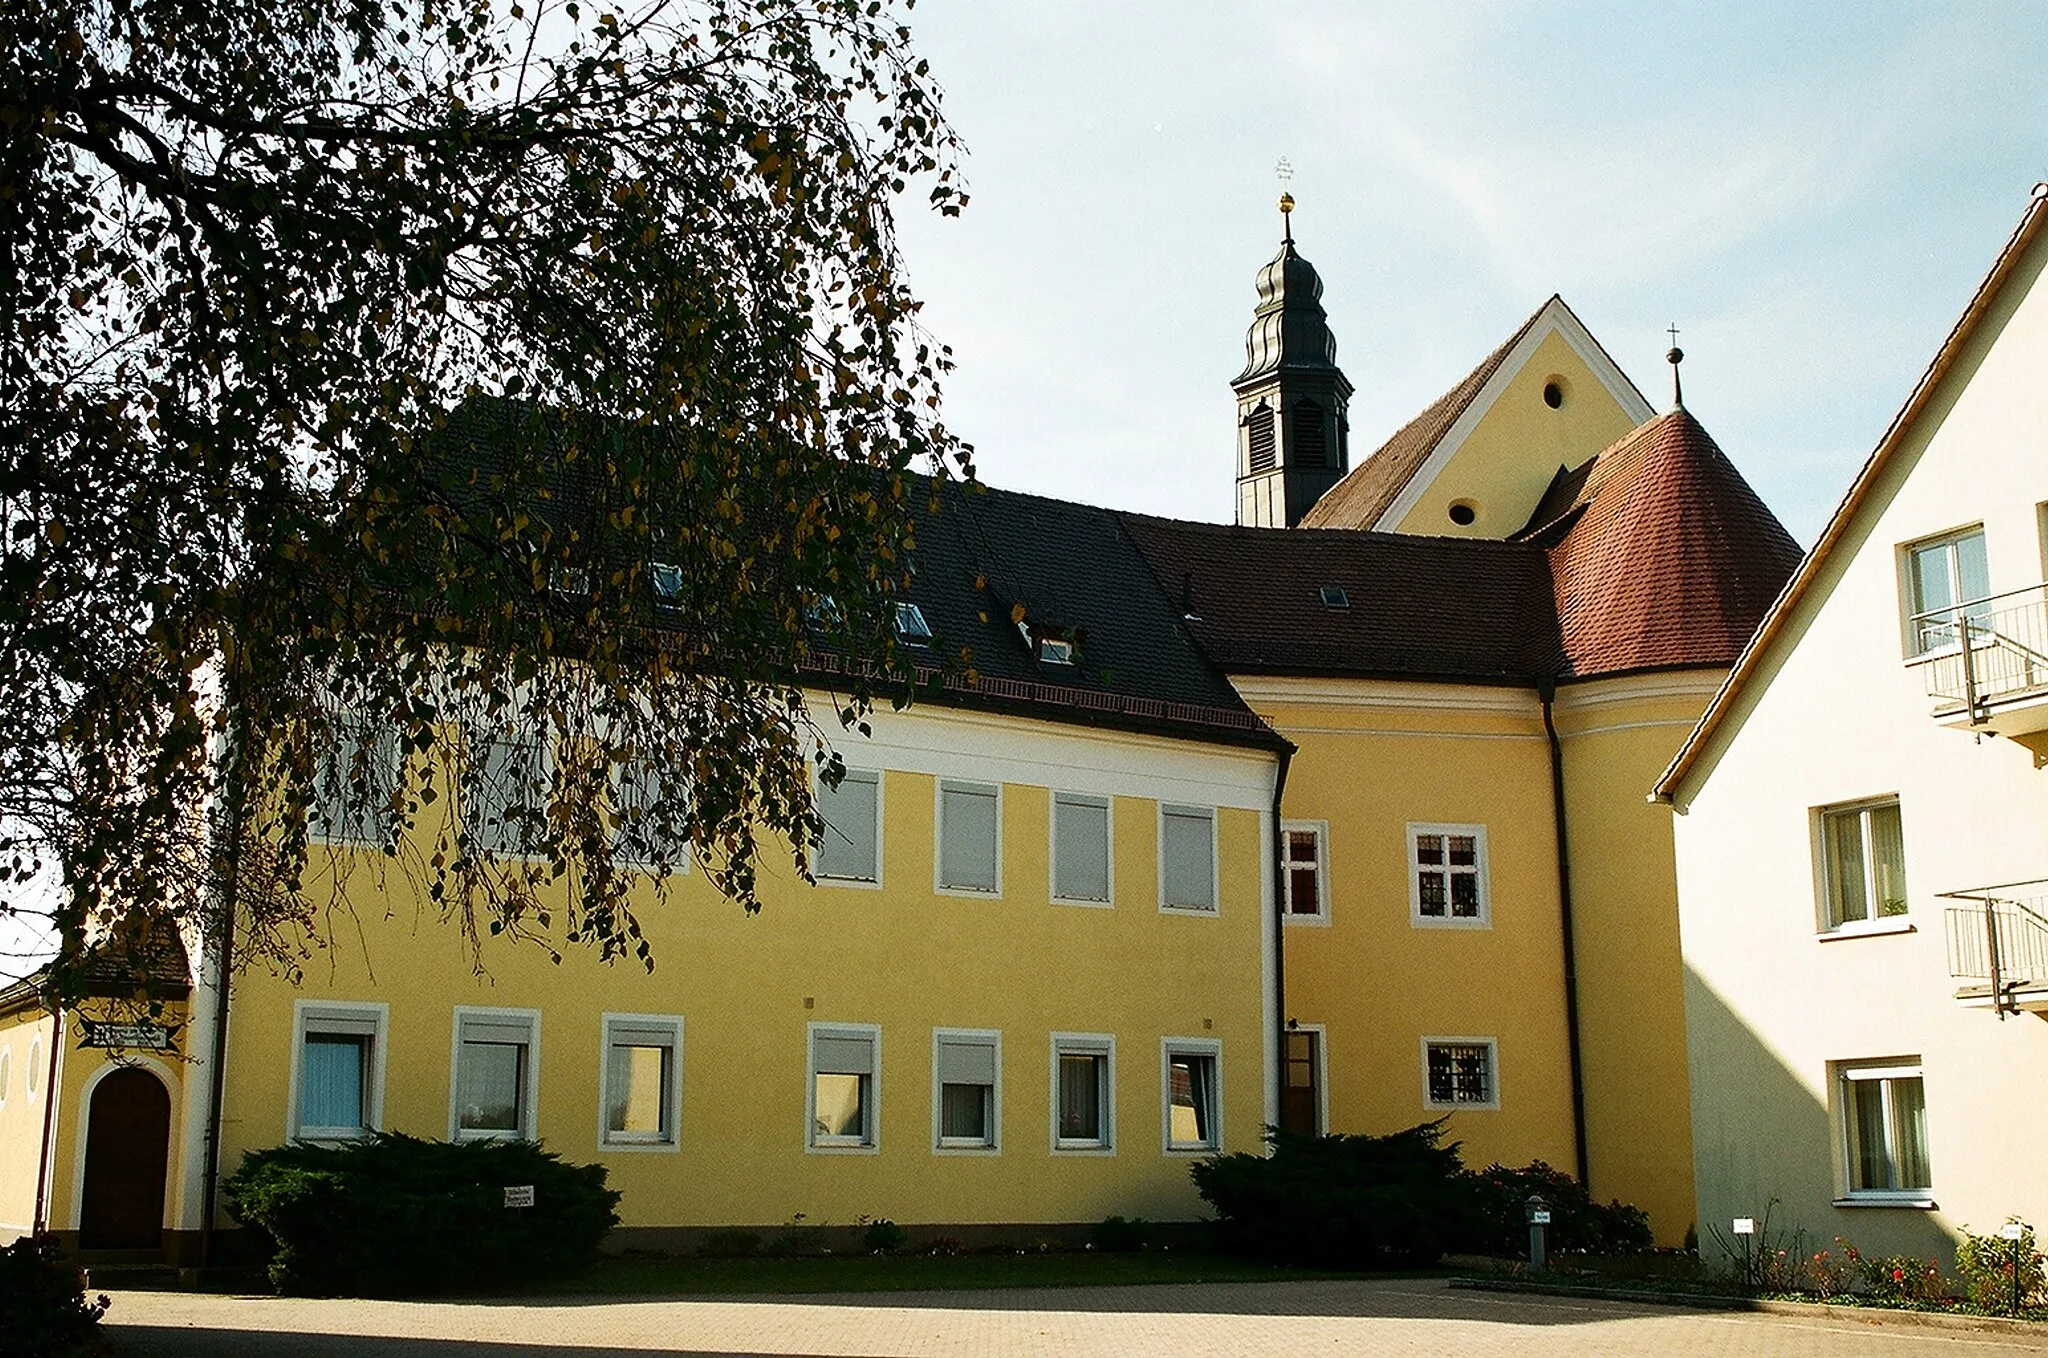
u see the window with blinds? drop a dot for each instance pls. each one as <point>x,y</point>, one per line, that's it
<point>354,780</point>
<point>844,1061</point>
<point>965,1066</point>
<point>494,1066</point>
<point>1080,849</point>
<point>1192,1095</point>
<point>1259,440</point>
<point>1084,1083</point>
<point>336,1071</point>
<point>849,843</point>
<point>505,794</point>
<point>642,1080</point>
<point>1311,443</point>
<point>969,855</point>
<point>1187,858</point>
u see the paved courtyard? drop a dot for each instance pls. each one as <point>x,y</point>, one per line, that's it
<point>1404,1317</point>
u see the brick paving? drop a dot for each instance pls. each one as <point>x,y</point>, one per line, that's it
<point>1392,1317</point>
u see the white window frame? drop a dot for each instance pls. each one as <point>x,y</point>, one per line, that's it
<point>339,759</point>
<point>1909,601</point>
<point>1101,1045</point>
<point>947,1145</point>
<point>1107,805</point>
<point>544,769</point>
<point>349,1017</point>
<point>856,883</point>
<point>1321,830</point>
<point>670,1028</point>
<point>1824,870</point>
<point>972,787</point>
<point>1206,1047</point>
<point>869,1142</point>
<point>1482,862</point>
<point>1885,1069</point>
<point>529,1111</point>
<point>1208,813</point>
<point>1492,1104</point>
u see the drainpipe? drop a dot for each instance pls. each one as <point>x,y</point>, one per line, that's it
<point>39,1223</point>
<point>1546,689</point>
<point>1280,927</point>
<point>223,947</point>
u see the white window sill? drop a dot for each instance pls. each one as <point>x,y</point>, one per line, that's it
<point>1067,1147</point>
<point>1445,922</point>
<point>857,883</point>
<point>1320,920</point>
<point>1462,1107</point>
<point>1916,1204</point>
<point>982,893</point>
<point>1869,928</point>
<point>956,1146</point>
<point>1192,1148</point>
<point>1084,902</point>
<point>1166,909</point>
<point>614,1143</point>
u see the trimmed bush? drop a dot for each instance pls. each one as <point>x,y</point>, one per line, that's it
<point>1578,1223</point>
<point>393,1215</point>
<point>1397,1201</point>
<point>1117,1235</point>
<point>43,1310</point>
<point>883,1236</point>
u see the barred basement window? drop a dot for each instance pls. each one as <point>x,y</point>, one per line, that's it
<point>1458,1073</point>
<point>1311,436</point>
<point>1259,438</point>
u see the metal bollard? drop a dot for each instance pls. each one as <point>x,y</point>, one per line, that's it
<point>1538,1213</point>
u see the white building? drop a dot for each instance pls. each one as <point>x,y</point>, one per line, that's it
<point>1862,834</point>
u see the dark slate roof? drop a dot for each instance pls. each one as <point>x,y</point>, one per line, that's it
<point>1458,609</point>
<point>1375,483</point>
<point>989,556</point>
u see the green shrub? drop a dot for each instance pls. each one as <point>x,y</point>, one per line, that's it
<point>393,1215</point>
<point>1397,1201</point>
<point>1986,1264</point>
<point>43,1310</point>
<point>730,1244</point>
<point>883,1236</point>
<point>1578,1223</point>
<point>1115,1235</point>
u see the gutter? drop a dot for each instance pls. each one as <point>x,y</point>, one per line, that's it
<point>1546,690</point>
<point>39,1223</point>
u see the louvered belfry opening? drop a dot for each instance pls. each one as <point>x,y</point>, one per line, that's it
<point>1259,434</point>
<point>1310,446</point>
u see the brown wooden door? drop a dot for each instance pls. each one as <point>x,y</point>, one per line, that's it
<point>1300,1091</point>
<point>127,1143</point>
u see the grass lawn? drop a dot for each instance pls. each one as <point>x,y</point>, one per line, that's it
<point>689,1274</point>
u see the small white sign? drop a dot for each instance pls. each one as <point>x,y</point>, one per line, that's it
<point>520,1195</point>
<point>2012,1230</point>
<point>1540,1217</point>
<point>1745,1225</point>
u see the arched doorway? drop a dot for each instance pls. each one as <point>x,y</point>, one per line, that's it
<point>127,1144</point>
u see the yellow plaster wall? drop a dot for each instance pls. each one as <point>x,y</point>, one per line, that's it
<point>904,957</point>
<point>1618,736</point>
<point>1518,444</point>
<point>1379,983</point>
<point>21,1119</point>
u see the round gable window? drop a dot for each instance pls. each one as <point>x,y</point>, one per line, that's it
<point>1553,393</point>
<point>1463,512</point>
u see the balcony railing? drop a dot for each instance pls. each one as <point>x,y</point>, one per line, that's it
<point>1998,938</point>
<point>1985,651</point>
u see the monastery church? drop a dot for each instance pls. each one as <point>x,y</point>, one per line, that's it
<point>1333,819</point>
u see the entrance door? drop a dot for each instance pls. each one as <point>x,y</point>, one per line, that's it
<point>1300,1087</point>
<point>127,1144</point>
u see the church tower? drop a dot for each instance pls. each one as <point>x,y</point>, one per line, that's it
<point>1292,433</point>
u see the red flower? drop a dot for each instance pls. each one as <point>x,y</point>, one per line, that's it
<point>1898,1275</point>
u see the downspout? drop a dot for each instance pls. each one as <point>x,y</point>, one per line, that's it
<point>223,947</point>
<point>1280,926</point>
<point>1546,689</point>
<point>39,1223</point>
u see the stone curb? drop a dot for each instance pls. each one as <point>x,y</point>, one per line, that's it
<point>1706,1301</point>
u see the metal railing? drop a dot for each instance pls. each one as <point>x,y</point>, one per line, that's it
<point>2000,938</point>
<point>1982,651</point>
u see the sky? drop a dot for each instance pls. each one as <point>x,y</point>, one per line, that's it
<point>1809,192</point>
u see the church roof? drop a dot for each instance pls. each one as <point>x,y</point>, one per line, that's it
<point>1362,497</point>
<point>1654,555</point>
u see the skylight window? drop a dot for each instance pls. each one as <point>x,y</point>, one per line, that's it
<point>911,628</point>
<point>1333,596</point>
<point>666,580</point>
<point>1047,646</point>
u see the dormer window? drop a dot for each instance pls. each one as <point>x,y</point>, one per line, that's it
<point>911,628</point>
<point>1049,646</point>
<point>666,581</point>
<point>822,612</point>
<point>1333,596</point>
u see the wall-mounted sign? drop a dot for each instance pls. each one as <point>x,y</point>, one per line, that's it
<point>1745,1225</point>
<point>519,1195</point>
<point>1540,1217</point>
<point>142,1036</point>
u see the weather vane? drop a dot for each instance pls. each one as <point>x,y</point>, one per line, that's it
<point>1675,357</point>
<point>1284,172</point>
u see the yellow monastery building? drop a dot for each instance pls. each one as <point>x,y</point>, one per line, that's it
<point>1334,819</point>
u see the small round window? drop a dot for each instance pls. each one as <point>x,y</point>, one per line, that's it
<point>1463,512</point>
<point>1553,393</point>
